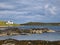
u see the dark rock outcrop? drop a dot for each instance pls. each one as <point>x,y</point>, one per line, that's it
<point>28,42</point>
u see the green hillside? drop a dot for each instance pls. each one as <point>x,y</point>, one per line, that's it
<point>3,23</point>
<point>41,24</point>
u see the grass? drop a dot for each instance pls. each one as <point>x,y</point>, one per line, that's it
<point>3,23</point>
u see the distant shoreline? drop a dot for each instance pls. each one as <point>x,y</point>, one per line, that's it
<point>40,24</point>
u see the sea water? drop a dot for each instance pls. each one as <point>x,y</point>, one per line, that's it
<point>54,36</point>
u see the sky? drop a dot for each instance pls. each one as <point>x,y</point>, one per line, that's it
<point>22,11</point>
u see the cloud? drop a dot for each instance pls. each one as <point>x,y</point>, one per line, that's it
<point>46,6</point>
<point>53,10</point>
<point>30,10</point>
<point>5,5</point>
<point>30,17</point>
<point>11,12</point>
<point>50,9</point>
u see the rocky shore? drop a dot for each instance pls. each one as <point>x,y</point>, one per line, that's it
<point>41,30</point>
<point>28,42</point>
<point>17,31</point>
<point>9,31</point>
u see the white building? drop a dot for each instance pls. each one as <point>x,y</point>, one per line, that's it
<point>9,22</point>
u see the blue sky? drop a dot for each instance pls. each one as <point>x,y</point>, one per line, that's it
<point>22,11</point>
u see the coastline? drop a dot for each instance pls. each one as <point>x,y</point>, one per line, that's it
<point>28,42</point>
<point>6,31</point>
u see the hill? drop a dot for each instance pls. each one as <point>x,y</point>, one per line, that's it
<point>3,23</point>
<point>41,23</point>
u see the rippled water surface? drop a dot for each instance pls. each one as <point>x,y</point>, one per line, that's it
<point>44,36</point>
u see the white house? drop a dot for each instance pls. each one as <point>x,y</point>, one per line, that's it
<point>9,22</point>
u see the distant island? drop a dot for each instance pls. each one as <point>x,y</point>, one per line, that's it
<point>41,24</point>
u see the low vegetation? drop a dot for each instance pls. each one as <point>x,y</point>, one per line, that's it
<point>3,23</point>
<point>41,24</point>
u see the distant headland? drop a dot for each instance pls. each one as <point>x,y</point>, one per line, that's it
<point>41,24</point>
<point>11,23</point>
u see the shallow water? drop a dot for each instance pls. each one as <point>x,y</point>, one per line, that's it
<point>44,36</point>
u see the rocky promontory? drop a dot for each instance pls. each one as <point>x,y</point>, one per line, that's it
<point>16,31</point>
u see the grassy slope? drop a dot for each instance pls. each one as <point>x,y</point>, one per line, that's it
<point>3,23</point>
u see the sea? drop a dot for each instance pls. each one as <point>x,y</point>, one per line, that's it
<point>53,36</point>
